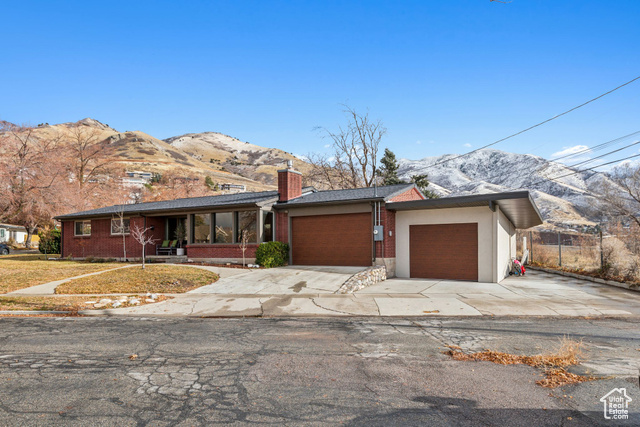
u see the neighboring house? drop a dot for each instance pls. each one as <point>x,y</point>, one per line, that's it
<point>233,187</point>
<point>15,232</point>
<point>464,238</point>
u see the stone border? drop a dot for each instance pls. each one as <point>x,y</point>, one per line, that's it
<point>622,285</point>
<point>363,279</point>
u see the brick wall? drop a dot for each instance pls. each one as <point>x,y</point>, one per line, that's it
<point>103,245</point>
<point>221,251</point>
<point>282,227</point>
<point>412,194</point>
<point>388,219</point>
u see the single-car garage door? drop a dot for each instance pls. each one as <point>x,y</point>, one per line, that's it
<point>343,239</point>
<point>444,251</point>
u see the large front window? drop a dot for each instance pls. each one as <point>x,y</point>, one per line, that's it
<point>201,228</point>
<point>247,222</point>
<point>223,227</point>
<point>267,226</point>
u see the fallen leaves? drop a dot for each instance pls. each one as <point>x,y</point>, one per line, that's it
<point>553,364</point>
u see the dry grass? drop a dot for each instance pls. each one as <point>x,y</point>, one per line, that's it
<point>155,278</point>
<point>71,304</point>
<point>554,364</point>
<point>23,271</point>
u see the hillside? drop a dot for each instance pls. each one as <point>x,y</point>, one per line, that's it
<point>238,157</point>
<point>138,151</point>
<point>566,201</point>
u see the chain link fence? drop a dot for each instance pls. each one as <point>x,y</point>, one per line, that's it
<point>579,251</point>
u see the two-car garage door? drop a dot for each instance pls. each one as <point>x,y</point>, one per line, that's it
<point>444,251</point>
<point>343,239</point>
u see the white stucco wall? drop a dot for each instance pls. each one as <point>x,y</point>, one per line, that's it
<point>483,216</point>
<point>506,239</point>
<point>496,237</point>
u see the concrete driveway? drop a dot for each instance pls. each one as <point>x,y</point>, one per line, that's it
<point>535,294</point>
<point>280,281</point>
<point>309,291</point>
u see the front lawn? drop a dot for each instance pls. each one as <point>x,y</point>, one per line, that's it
<point>23,271</point>
<point>155,278</point>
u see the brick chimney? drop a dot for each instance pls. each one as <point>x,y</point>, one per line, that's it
<point>289,183</point>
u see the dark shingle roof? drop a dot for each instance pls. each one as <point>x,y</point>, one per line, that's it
<point>238,199</point>
<point>249,199</point>
<point>346,196</point>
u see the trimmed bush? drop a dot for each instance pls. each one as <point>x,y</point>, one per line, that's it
<point>272,254</point>
<point>49,240</point>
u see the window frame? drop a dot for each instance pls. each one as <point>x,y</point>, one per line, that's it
<point>123,233</point>
<point>75,228</point>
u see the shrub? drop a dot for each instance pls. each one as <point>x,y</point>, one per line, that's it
<point>272,254</point>
<point>49,241</point>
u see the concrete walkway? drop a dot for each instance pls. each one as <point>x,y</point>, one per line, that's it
<point>49,288</point>
<point>537,294</point>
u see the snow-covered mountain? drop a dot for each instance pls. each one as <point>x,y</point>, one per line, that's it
<point>565,201</point>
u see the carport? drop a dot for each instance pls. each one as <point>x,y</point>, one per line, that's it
<point>461,238</point>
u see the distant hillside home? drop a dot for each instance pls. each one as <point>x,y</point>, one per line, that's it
<point>15,232</point>
<point>231,187</point>
<point>462,238</point>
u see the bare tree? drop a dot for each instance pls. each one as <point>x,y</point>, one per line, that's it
<point>622,198</point>
<point>89,153</point>
<point>28,175</point>
<point>244,239</point>
<point>140,236</point>
<point>354,160</point>
<point>121,229</point>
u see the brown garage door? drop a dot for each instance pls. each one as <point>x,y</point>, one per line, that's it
<point>343,239</point>
<point>444,251</point>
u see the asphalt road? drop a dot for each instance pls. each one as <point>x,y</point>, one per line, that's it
<point>79,371</point>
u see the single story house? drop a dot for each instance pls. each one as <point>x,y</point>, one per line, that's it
<point>463,238</point>
<point>15,232</point>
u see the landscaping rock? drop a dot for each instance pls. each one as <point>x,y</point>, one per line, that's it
<point>105,301</point>
<point>363,279</point>
<point>150,300</point>
<point>133,301</point>
<point>116,304</point>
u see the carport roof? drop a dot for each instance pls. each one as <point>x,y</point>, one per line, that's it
<point>518,206</point>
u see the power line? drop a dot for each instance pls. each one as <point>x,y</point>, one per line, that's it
<point>595,147</point>
<point>583,170</point>
<point>536,125</point>
<point>534,169</point>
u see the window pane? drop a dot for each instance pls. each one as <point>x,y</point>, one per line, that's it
<point>83,228</point>
<point>224,227</point>
<point>117,228</point>
<point>267,226</point>
<point>247,220</point>
<point>201,228</point>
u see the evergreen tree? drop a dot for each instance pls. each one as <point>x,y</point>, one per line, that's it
<point>389,169</point>
<point>422,182</point>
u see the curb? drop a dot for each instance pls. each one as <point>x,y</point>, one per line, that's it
<point>589,278</point>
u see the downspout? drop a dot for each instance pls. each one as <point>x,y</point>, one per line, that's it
<point>373,242</point>
<point>61,239</point>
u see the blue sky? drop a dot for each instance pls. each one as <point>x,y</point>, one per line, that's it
<point>444,76</point>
